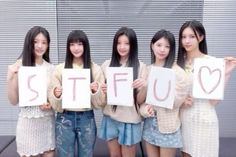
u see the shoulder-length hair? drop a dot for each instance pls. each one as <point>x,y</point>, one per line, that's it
<point>198,29</point>
<point>171,39</point>
<point>28,54</point>
<point>74,37</point>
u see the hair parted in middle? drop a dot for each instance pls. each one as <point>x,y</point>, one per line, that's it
<point>171,39</point>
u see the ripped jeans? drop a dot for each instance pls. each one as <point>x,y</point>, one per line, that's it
<point>75,128</point>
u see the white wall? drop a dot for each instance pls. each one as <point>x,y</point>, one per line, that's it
<point>219,19</point>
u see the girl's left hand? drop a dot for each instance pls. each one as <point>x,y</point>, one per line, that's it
<point>94,87</point>
<point>230,64</point>
<point>104,87</point>
<point>150,110</point>
<point>45,106</point>
<point>139,83</point>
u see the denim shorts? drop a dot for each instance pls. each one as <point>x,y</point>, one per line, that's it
<point>126,133</point>
<point>152,135</point>
<point>75,129</point>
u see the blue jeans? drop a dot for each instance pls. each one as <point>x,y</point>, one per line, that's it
<point>75,127</point>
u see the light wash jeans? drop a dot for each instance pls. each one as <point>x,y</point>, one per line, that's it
<point>75,128</point>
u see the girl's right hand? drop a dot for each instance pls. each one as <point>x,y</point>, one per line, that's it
<point>45,106</point>
<point>104,87</point>
<point>12,71</point>
<point>57,92</point>
<point>188,102</point>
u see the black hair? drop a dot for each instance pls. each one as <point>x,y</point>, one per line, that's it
<point>197,28</point>
<point>78,36</point>
<point>133,54</point>
<point>28,54</point>
<point>171,39</point>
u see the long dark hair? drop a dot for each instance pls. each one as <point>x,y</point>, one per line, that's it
<point>78,36</point>
<point>28,54</point>
<point>133,54</point>
<point>197,28</point>
<point>171,39</point>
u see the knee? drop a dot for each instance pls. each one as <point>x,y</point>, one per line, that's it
<point>115,154</point>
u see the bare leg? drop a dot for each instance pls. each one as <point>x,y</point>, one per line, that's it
<point>114,148</point>
<point>168,152</point>
<point>152,151</point>
<point>128,151</point>
<point>50,153</point>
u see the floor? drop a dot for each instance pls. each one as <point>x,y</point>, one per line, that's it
<point>8,148</point>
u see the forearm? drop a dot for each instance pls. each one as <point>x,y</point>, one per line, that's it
<point>141,95</point>
<point>12,91</point>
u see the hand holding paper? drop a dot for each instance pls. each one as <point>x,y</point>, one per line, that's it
<point>12,71</point>
<point>45,106</point>
<point>230,64</point>
<point>188,102</point>
<point>139,83</point>
<point>57,92</point>
<point>94,87</point>
<point>104,87</point>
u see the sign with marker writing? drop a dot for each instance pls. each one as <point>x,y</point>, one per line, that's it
<point>208,80</point>
<point>119,86</point>
<point>76,91</point>
<point>161,87</point>
<point>32,83</point>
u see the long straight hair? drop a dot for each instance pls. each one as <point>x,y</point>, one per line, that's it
<point>74,37</point>
<point>171,39</point>
<point>28,54</point>
<point>133,55</point>
<point>198,29</point>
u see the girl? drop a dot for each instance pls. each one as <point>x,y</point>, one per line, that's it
<point>121,126</point>
<point>200,128</point>
<point>35,127</point>
<point>76,124</point>
<point>161,131</point>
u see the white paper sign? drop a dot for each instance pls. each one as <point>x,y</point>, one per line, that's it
<point>161,87</point>
<point>119,86</point>
<point>32,83</point>
<point>76,91</point>
<point>208,80</point>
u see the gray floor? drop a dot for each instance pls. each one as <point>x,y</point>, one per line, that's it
<point>8,148</point>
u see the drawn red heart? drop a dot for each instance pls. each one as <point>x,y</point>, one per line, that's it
<point>210,73</point>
